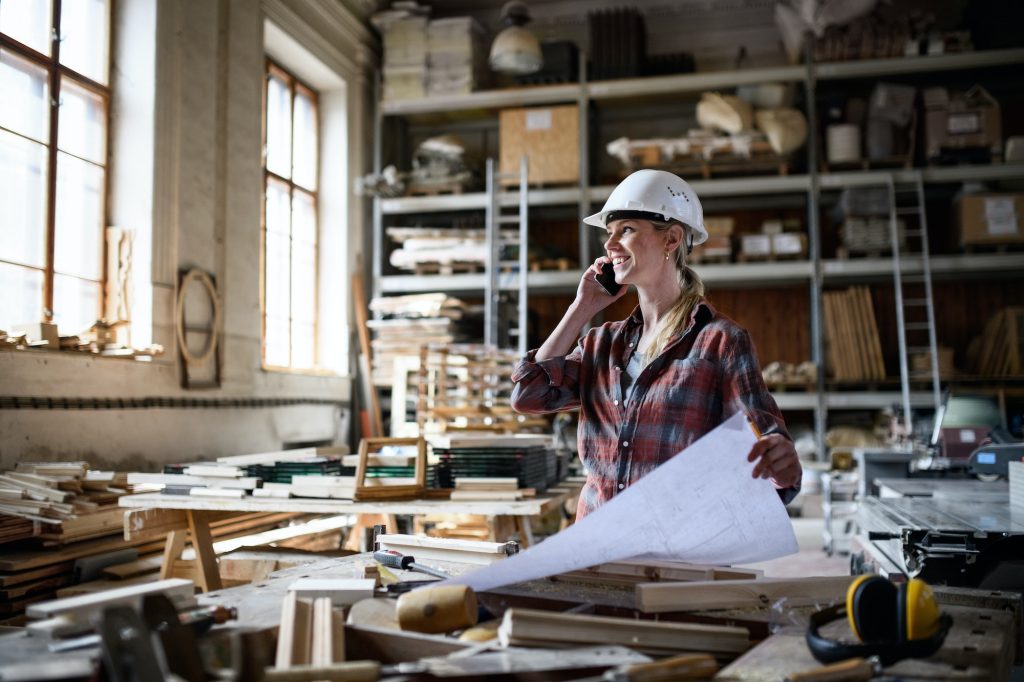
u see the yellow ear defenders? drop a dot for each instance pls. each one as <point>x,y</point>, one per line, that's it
<point>891,622</point>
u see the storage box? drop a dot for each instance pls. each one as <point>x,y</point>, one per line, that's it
<point>991,218</point>
<point>962,122</point>
<point>792,244</point>
<point>756,245</point>
<point>719,226</point>
<point>548,136</point>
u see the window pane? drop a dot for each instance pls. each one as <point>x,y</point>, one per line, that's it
<point>84,37</point>
<point>28,22</point>
<point>279,127</point>
<point>302,345</point>
<point>277,208</point>
<point>303,218</point>
<point>81,130</point>
<point>303,282</point>
<point>278,275</point>
<point>76,304</point>
<point>22,301</point>
<point>78,243</point>
<point>277,341</point>
<point>305,141</point>
<point>23,201</point>
<point>26,102</point>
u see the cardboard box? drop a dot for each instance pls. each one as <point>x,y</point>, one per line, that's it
<point>549,137</point>
<point>756,245</point>
<point>972,120</point>
<point>991,218</point>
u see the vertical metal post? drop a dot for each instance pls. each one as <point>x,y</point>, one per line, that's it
<point>524,245</point>
<point>814,252</point>
<point>583,203</point>
<point>376,267</point>
<point>491,235</point>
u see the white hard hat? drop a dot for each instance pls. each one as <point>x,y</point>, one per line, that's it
<point>658,194</point>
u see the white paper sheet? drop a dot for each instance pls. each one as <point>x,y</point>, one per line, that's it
<point>701,506</point>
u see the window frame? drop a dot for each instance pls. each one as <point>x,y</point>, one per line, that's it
<point>295,84</point>
<point>55,73</point>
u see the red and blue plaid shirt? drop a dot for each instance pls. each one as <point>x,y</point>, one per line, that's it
<point>704,376</point>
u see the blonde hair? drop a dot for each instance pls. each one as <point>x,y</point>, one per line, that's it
<point>691,290</point>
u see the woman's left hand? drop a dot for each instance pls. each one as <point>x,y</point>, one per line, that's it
<point>776,459</point>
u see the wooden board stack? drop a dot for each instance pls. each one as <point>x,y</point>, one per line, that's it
<point>64,501</point>
<point>854,349</point>
<point>999,351</point>
<point>481,488</point>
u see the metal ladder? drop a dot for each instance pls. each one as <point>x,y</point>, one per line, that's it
<point>499,199</point>
<point>915,309</point>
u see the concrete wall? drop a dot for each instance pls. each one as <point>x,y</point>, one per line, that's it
<point>187,177</point>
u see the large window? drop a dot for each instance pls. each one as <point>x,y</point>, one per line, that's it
<point>290,224</point>
<point>54,58</point>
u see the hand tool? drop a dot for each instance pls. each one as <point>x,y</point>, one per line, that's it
<point>393,559</point>
<point>850,670</point>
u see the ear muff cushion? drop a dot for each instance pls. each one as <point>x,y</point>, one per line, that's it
<point>870,606</point>
<point>920,611</point>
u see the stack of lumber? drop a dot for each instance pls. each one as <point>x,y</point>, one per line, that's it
<point>407,322</point>
<point>999,351</point>
<point>489,463</point>
<point>64,501</point>
<point>29,574</point>
<point>854,349</point>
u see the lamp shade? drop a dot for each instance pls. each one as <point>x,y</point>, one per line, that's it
<point>515,50</point>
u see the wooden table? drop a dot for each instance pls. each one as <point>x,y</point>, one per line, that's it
<point>179,515</point>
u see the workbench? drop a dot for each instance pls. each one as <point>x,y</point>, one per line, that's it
<point>180,516</point>
<point>982,645</point>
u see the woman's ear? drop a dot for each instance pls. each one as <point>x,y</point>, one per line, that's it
<point>674,237</point>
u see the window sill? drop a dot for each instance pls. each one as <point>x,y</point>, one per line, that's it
<point>41,351</point>
<point>326,373</point>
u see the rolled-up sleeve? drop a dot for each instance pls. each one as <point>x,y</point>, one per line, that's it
<point>550,385</point>
<point>744,390</point>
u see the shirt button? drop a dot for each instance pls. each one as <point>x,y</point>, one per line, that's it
<point>621,486</point>
<point>625,443</point>
<point>630,344</point>
<point>615,402</point>
<point>617,368</point>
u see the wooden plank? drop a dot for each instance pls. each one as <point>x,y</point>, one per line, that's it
<point>735,594</point>
<point>293,636</point>
<point>179,591</point>
<point>341,591</point>
<point>131,569</point>
<point>546,629</point>
<point>445,549</point>
<point>328,633</point>
<point>9,579</point>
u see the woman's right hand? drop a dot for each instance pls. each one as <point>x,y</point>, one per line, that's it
<point>590,294</point>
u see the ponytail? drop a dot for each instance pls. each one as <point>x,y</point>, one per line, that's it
<point>691,290</point>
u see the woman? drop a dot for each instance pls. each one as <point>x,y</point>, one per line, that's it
<point>651,384</point>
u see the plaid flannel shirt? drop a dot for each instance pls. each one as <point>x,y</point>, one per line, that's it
<point>704,376</point>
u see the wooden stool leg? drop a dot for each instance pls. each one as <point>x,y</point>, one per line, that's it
<point>501,528</point>
<point>172,552</point>
<point>206,560</point>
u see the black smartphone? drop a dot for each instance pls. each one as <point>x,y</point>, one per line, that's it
<point>607,279</point>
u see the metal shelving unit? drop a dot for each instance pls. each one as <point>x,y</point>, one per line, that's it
<point>815,272</point>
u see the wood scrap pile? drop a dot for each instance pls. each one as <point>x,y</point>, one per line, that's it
<point>445,251</point>
<point>100,339</point>
<point>854,349</point>
<point>999,351</point>
<point>29,574</point>
<point>63,501</point>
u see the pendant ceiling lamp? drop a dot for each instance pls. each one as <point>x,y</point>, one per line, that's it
<point>515,49</point>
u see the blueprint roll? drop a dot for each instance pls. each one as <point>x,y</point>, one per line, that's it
<point>843,143</point>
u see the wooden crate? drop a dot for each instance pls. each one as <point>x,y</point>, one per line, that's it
<point>548,136</point>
